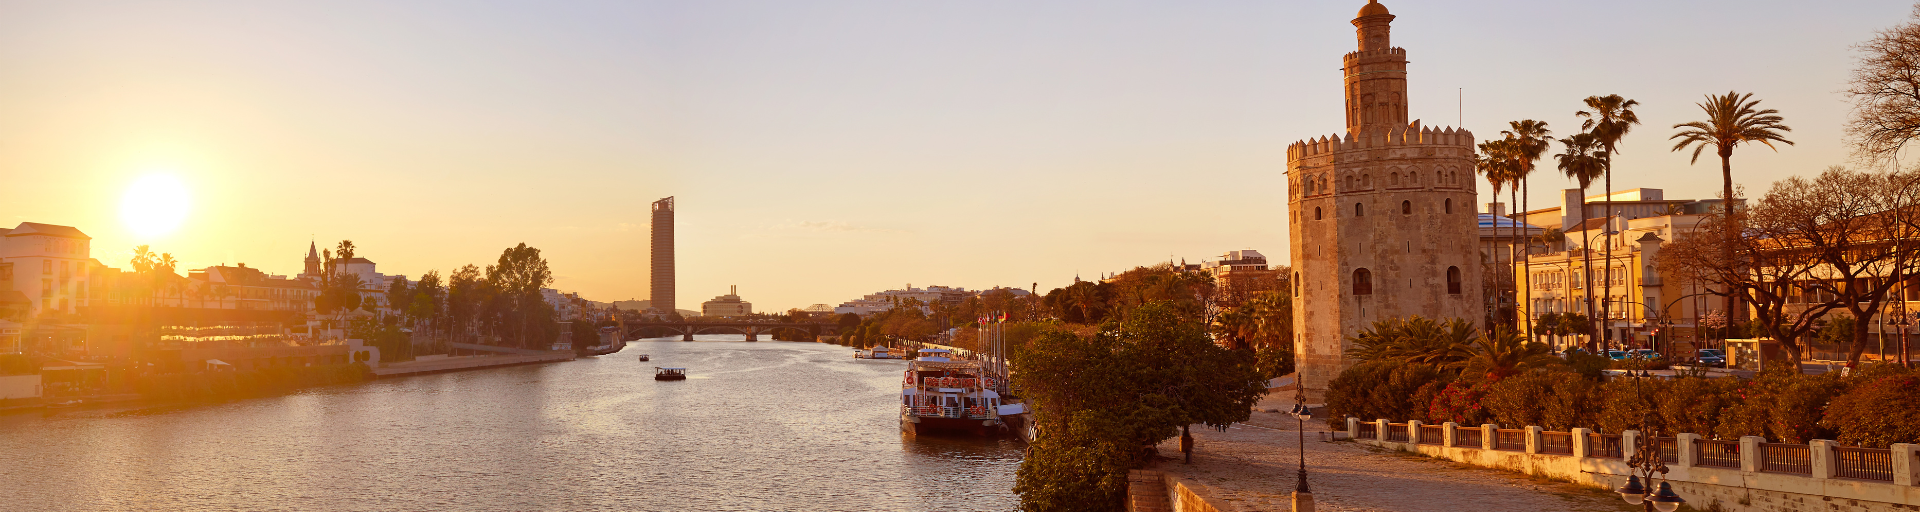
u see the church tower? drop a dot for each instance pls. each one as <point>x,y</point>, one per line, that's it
<point>1382,219</point>
<point>313,260</point>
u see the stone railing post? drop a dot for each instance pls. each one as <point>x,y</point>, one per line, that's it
<point>1750,453</point>
<point>1413,431</point>
<point>1380,430</point>
<point>1489,436</point>
<point>1904,470</point>
<point>1684,444</point>
<point>1629,444</point>
<point>1533,439</point>
<point>1448,438</point>
<point>1582,446</point>
<point>1820,453</point>
<point>1353,427</point>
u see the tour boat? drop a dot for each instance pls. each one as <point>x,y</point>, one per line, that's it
<point>876,352</point>
<point>644,357</point>
<point>941,395</point>
<point>669,373</point>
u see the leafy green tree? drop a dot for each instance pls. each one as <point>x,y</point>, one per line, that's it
<point>1100,399</point>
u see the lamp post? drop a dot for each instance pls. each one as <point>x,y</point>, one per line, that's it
<point>1646,463</point>
<point>1302,495</point>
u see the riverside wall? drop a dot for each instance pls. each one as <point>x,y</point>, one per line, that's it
<point>451,364</point>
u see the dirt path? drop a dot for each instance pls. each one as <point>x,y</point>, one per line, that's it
<point>1253,466</point>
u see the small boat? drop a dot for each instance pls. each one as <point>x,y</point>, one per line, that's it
<point>66,404</point>
<point>876,352</point>
<point>644,357</point>
<point>669,373</point>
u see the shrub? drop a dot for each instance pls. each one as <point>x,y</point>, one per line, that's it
<point>1518,400</point>
<point>1460,403</point>
<point>1588,365</point>
<point>1693,404</point>
<point>1798,406</point>
<point>1877,412</point>
<point>1626,404</point>
<point>1571,404</point>
<point>1746,411</point>
<point>1379,389</point>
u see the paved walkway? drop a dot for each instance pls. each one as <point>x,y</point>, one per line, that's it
<point>1254,467</point>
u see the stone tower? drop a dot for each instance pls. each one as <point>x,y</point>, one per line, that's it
<point>660,292</point>
<point>1382,217</point>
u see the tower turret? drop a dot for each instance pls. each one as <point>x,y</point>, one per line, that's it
<point>1376,75</point>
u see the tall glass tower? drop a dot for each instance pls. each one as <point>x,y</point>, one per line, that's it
<point>661,289</point>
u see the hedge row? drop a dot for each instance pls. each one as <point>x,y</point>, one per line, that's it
<point>1871,408</point>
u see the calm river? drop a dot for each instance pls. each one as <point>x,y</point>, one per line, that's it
<point>759,426</point>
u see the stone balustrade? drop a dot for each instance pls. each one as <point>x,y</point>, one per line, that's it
<point>1748,475</point>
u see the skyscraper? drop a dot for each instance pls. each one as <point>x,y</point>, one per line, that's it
<point>661,289</point>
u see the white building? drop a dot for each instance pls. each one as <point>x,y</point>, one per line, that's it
<point>728,305</point>
<point>44,267</point>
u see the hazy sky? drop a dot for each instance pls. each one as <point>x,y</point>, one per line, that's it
<point>821,150</point>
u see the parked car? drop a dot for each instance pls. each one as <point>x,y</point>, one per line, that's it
<point>1617,355</point>
<point>1645,353</point>
<point>1711,357</point>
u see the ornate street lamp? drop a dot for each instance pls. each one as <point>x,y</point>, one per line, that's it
<point>1646,463</point>
<point>1300,412</point>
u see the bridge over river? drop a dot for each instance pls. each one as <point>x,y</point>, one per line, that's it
<point>752,330</point>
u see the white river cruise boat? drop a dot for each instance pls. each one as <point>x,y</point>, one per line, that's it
<point>941,395</point>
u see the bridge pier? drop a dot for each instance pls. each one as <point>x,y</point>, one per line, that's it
<point>687,337</point>
<point>753,336</point>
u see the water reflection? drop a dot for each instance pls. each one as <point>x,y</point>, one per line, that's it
<point>760,426</point>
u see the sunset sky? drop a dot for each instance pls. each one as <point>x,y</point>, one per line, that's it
<point>819,150</point>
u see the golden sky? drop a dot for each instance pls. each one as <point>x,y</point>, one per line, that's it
<point>825,149</point>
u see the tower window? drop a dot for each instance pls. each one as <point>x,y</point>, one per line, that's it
<point>1449,206</point>
<point>1316,213</point>
<point>1359,209</point>
<point>1362,282</point>
<point>1453,280</point>
<point>1406,207</point>
<point>1296,284</point>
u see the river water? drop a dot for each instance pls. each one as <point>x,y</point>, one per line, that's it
<point>759,426</point>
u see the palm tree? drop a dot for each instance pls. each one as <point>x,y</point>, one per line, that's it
<point>1582,162</point>
<point>1496,163</point>
<point>1528,140</point>
<point>1732,120</point>
<point>1609,119</point>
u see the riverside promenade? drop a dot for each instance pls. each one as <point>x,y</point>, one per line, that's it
<point>438,364</point>
<point>1251,467</point>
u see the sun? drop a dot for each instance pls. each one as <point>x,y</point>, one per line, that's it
<point>154,205</point>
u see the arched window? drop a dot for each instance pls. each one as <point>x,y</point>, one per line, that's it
<point>1449,207</point>
<point>1406,207</point>
<point>1316,213</point>
<point>1453,280</point>
<point>1393,179</point>
<point>1359,210</point>
<point>1362,282</point>
<point>1366,181</point>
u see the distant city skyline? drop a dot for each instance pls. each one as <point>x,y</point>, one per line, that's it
<point>819,151</point>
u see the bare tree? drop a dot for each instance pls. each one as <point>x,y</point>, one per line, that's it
<point>1837,242</point>
<point>1885,90</point>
